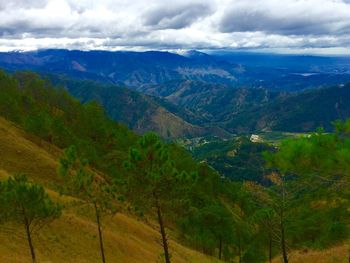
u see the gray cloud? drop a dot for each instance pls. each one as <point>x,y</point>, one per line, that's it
<point>180,24</point>
<point>176,17</point>
<point>288,18</point>
<point>22,4</point>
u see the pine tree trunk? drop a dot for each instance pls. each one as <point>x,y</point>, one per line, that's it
<point>239,248</point>
<point>270,248</point>
<point>162,231</point>
<point>283,244</point>
<point>100,233</point>
<point>282,218</point>
<point>29,238</point>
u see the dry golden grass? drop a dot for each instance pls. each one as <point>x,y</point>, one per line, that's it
<point>338,254</point>
<point>73,237</point>
<point>20,155</point>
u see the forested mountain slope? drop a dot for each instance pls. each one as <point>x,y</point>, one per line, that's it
<point>139,112</point>
<point>214,102</point>
<point>72,238</point>
<point>247,110</point>
<point>299,112</point>
<point>107,169</point>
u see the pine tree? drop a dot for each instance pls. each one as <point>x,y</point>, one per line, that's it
<point>276,203</point>
<point>89,187</point>
<point>152,179</point>
<point>27,204</point>
<point>313,170</point>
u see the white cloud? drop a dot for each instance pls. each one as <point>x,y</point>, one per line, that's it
<point>182,24</point>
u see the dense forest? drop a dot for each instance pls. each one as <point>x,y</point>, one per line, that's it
<point>301,203</point>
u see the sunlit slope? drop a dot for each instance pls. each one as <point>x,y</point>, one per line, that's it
<point>73,237</point>
<point>18,154</point>
<point>338,254</point>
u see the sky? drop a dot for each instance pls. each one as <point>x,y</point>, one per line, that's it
<point>284,26</point>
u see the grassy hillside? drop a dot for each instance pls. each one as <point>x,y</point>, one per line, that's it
<point>72,238</point>
<point>337,254</point>
<point>127,239</point>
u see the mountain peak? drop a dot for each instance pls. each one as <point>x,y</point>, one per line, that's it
<point>194,54</point>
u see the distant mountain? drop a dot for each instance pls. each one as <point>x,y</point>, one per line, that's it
<point>281,72</point>
<point>301,112</point>
<point>290,62</point>
<point>213,102</point>
<point>139,112</point>
<point>245,110</point>
<point>136,69</point>
<point>129,68</point>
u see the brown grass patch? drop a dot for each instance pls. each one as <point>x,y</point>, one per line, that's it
<point>338,254</point>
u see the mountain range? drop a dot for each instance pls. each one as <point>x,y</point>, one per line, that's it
<point>130,68</point>
<point>195,94</point>
<point>134,69</point>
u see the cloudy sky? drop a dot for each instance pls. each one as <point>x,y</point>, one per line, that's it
<point>307,26</point>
